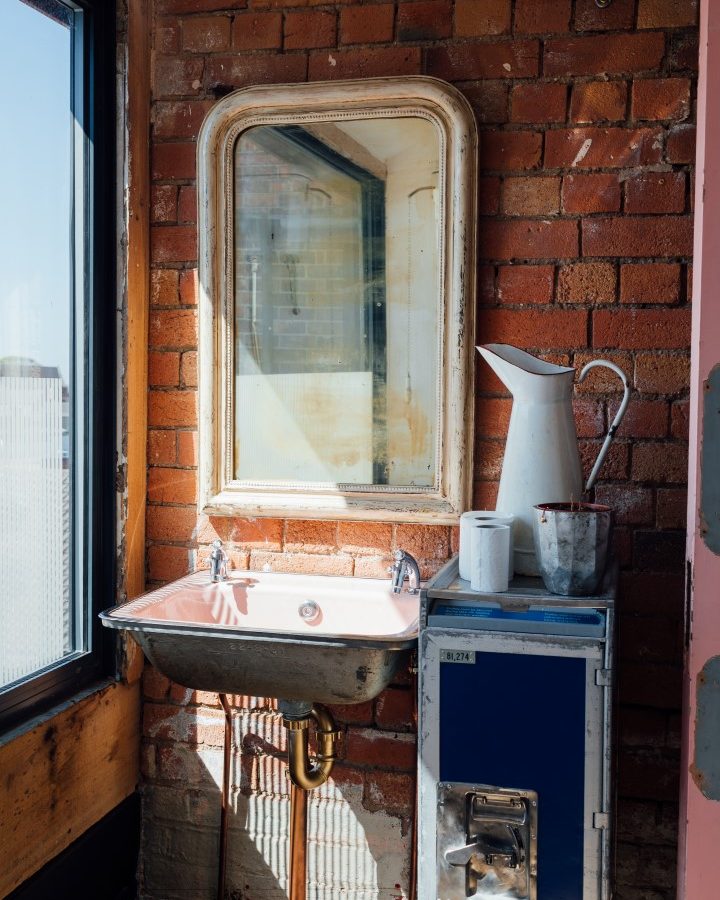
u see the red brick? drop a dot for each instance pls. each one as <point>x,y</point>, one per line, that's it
<point>643,419</point>
<point>187,204</point>
<point>161,447</point>
<point>178,118</point>
<point>174,76</point>
<point>654,685</point>
<point>618,15</point>
<point>650,283</point>
<point>486,284</point>
<point>671,507</point>
<point>601,380</point>
<point>531,196</point>
<point>380,750</point>
<point>590,148</point>
<point>172,408</point>
<point>389,792</point>
<point>660,462</point>
<point>241,69</point>
<point>661,98</point>
<point>174,329</point>
<point>589,417</point>
<point>538,102</point>
<point>358,27</point>
<point>310,537</point>
<point>473,19</point>
<point>525,284</point>
<point>645,236</point>
<point>195,6</point>
<point>173,243</point>
<point>680,144</point>
<point>187,446</point>
<point>667,13</point>
<point>188,369</point>
<point>589,283</point>
<point>171,523</point>
<point>302,563</point>
<point>534,329</point>
<point>608,53</point>
<point>257,31</point>
<point>683,54</point>
<point>310,29</point>
<point>652,594</point>
<point>655,192</point>
<point>468,61</point>
<point>366,63</point>
<point>167,35</point>
<point>172,485</point>
<point>423,541</point>
<point>680,420</point>
<point>594,193</point>
<point>163,203</point>
<point>489,100</point>
<point>206,34</point>
<point>164,287</point>
<point>365,537</point>
<point>250,534</point>
<point>394,709</point>
<point>488,460</point>
<point>488,196</point>
<point>657,374</point>
<point>541,16</point>
<point>188,287</point>
<point>155,685</point>
<point>353,714</point>
<point>528,239</point>
<point>614,467</point>
<point>636,329</point>
<point>163,368</point>
<point>424,20</point>
<point>631,505</point>
<point>172,162</point>
<point>484,494</point>
<point>598,101</point>
<point>168,563</point>
<point>507,151</point>
<point>492,416</point>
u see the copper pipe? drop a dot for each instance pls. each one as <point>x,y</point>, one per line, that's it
<point>225,797</point>
<point>298,843</point>
<point>303,773</point>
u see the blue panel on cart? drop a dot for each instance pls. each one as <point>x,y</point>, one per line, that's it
<point>516,721</point>
<point>462,614</point>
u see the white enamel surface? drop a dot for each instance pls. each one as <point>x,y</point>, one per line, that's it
<point>264,601</point>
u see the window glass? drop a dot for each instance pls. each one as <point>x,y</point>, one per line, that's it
<point>39,624</point>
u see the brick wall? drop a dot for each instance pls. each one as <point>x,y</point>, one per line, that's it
<point>585,242</point>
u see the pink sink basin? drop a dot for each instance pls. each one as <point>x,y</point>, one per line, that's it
<point>300,637</point>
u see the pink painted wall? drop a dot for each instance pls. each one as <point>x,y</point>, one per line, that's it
<point>699,861</point>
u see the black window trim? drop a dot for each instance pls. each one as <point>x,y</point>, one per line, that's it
<point>94,75</point>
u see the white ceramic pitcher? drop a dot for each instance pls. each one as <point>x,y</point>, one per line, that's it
<point>542,460</point>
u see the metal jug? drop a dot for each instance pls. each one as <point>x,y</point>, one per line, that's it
<point>542,460</point>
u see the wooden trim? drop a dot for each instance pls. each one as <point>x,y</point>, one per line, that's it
<point>138,288</point>
<point>62,773</point>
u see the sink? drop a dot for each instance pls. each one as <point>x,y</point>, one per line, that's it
<point>299,637</point>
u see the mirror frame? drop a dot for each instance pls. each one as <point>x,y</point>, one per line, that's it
<point>417,96</point>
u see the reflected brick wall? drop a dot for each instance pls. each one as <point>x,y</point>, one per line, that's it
<point>585,242</point>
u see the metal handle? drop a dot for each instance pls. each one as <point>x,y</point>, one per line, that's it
<point>616,421</point>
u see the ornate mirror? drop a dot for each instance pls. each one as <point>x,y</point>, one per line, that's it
<point>337,276</point>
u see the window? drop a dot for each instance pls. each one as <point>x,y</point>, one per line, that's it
<point>56,348</point>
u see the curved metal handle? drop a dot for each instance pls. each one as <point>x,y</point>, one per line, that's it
<point>615,422</point>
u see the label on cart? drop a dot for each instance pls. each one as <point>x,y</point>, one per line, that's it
<point>457,656</point>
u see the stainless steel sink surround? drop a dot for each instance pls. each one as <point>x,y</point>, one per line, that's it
<point>319,638</point>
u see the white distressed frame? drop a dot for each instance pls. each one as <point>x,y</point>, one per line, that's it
<point>428,98</point>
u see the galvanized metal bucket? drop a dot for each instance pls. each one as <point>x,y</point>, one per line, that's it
<point>571,544</point>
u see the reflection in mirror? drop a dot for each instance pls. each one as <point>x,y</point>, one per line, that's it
<point>337,319</point>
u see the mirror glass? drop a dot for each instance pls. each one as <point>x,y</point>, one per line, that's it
<point>337,331</point>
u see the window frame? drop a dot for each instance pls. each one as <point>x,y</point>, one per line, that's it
<point>94,383</point>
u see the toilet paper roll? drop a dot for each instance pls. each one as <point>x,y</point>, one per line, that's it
<point>489,552</point>
<point>476,517</point>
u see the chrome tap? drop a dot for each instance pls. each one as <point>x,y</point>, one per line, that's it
<point>405,566</point>
<point>218,562</point>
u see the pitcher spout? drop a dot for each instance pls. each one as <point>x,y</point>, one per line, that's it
<point>519,372</point>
